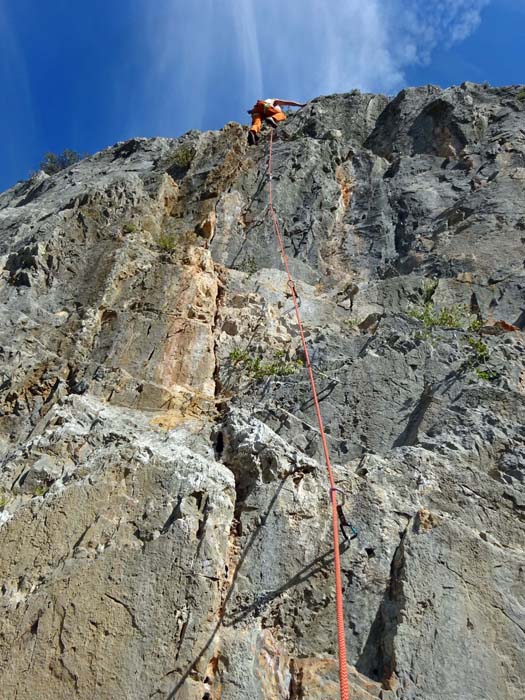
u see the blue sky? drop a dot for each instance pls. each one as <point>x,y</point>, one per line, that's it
<point>84,75</point>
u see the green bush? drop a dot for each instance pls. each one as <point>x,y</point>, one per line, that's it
<point>479,348</point>
<point>486,374</point>
<point>184,156</point>
<point>258,368</point>
<point>238,355</point>
<point>475,325</point>
<point>521,94</point>
<point>55,162</point>
<point>460,317</point>
<point>479,356</point>
<point>167,242</point>
<point>40,490</point>
<point>129,227</point>
<point>447,317</point>
<point>350,323</point>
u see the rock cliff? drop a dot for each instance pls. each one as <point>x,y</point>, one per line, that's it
<point>164,512</point>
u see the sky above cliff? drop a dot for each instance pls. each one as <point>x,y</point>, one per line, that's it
<point>85,75</point>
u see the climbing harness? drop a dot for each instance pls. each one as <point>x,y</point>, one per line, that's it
<point>336,510</point>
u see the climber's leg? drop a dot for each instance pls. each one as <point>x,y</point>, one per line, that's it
<point>253,134</point>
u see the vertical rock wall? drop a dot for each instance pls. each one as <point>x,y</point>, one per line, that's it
<point>164,514</point>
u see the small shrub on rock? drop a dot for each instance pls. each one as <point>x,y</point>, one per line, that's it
<point>184,156</point>
<point>260,367</point>
<point>447,317</point>
<point>55,162</point>
<point>167,242</point>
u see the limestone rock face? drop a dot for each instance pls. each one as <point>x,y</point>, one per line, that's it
<point>164,510</point>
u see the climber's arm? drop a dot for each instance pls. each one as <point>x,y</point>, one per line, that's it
<point>289,103</point>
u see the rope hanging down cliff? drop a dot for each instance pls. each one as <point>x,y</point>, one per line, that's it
<point>343,679</point>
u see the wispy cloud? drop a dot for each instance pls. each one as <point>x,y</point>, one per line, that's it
<point>416,28</point>
<point>326,47</point>
<point>210,53</point>
<point>335,46</point>
<point>246,39</point>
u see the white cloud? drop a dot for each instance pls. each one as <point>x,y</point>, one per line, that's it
<point>321,47</point>
<point>369,44</point>
<point>208,52</point>
<point>417,28</point>
<point>247,40</point>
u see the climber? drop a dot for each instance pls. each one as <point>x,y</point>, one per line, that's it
<point>269,110</point>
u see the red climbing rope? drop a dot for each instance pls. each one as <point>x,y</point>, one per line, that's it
<point>343,679</point>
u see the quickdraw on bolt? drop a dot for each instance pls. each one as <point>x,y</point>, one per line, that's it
<point>343,522</point>
<point>344,525</point>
